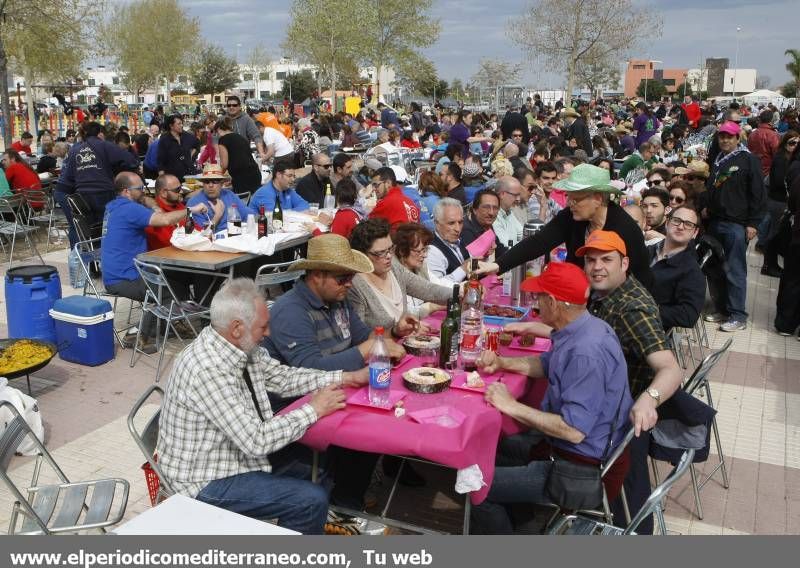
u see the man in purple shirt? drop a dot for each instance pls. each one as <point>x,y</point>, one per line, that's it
<point>585,409</point>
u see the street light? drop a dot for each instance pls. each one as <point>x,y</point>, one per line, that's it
<point>736,61</point>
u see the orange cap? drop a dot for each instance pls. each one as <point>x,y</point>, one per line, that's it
<point>605,241</point>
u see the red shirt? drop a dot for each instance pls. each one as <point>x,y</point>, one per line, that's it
<point>693,113</point>
<point>18,147</point>
<point>20,176</point>
<point>410,144</point>
<point>158,237</point>
<point>396,208</point>
<point>344,222</point>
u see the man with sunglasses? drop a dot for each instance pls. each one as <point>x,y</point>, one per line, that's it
<point>311,187</point>
<point>168,199</point>
<point>217,200</point>
<point>679,286</point>
<point>243,125</point>
<point>124,238</point>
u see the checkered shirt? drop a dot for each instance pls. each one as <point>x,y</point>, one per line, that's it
<point>209,427</point>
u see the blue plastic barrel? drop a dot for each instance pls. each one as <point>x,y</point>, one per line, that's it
<point>30,294</point>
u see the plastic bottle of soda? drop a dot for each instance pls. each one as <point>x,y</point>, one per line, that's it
<point>380,371</point>
<point>471,326</point>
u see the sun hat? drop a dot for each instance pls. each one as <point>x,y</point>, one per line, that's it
<point>569,111</point>
<point>621,129</point>
<point>696,167</point>
<point>605,241</point>
<point>332,252</point>
<point>564,281</point>
<point>731,128</point>
<point>212,171</point>
<point>586,177</point>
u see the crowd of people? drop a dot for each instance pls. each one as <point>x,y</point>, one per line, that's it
<point>630,196</point>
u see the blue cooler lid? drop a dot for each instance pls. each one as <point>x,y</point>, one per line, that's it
<point>83,306</point>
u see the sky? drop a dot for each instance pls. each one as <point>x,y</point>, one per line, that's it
<point>472,29</point>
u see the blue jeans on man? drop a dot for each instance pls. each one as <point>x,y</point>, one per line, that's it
<point>286,494</point>
<point>732,298</point>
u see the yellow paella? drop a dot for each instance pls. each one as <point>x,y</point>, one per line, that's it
<point>23,354</point>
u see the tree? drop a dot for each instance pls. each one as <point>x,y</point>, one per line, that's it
<point>395,30</point>
<point>213,71</point>
<point>763,82</point>
<point>438,89</point>
<point>326,33</point>
<point>259,61</point>
<point>596,72</point>
<point>564,31</point>
<point>790,89</point>
<point>67,25</point>
<point>299,86</point>
<point>651,90</point>
<point>457,89</point>
<point>128,39</point>
<point>684,89</point>
<point>494,73</point>
<point>793,67</point>
<point>415,75</point>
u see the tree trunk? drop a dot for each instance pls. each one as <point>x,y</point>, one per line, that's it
<point>378,69</point>
<point>33,126</point>
<point>573,57</point>
<point>333,87</point>
<point>5,105</point>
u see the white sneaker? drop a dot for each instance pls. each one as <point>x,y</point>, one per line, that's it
<point>733,325</point>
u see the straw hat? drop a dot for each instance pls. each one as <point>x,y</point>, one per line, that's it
<point>696,167</point>
<point>332,252</point>
<point>586,177</point>
<point>569,111</point>
<point>621,129</point>
<point>212,171</point>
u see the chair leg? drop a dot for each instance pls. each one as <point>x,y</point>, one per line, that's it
<point>696,491</point>
<point>136,343</point>
<point>625,507</point>
<point>721,466</point>
<point>167,326</point>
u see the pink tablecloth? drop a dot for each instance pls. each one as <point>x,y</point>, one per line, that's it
<point>379,431</point>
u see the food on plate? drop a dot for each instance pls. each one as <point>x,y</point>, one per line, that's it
<point>475,381</point>
<point>426,380</point>
<point>23,354</point>
<point>527,340</point>
<point>417,344</point>
<point>506,338</point>
<point>501,311</point>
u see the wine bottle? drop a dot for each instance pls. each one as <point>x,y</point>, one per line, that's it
<point>263,224</point>
<point>277,215</point>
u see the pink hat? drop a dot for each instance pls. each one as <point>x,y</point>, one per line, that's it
<point>730,128</point>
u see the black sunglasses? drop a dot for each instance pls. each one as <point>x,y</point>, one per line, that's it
<point>342,279</point>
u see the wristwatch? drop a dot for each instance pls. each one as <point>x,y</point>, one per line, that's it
<point>655,394</point>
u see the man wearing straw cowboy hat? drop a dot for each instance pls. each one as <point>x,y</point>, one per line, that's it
<point>217,199</point>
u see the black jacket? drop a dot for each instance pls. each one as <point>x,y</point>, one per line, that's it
<point>679,287</point>
<point>452,260</point>
<point>311,188</point>
<point>736,190</point>
<point>777,177</point>
<point>564,229</point>
<point>472,230</point>
<point>580,132</point>
<point>176,158</point>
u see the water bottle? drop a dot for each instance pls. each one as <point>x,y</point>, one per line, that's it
<point>330,200</point>
<point>77,276</point>
<point>471,327</point>
<point>234,221</point>
<point>380,371</point>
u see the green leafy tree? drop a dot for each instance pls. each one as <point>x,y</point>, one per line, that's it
<point>415,75</point>
<point>684,89</point>
<point>214,71</point>
<point>47,40</point>
<point>793,67</point>
<point>438,89</point>
<point>395,30</point>
<point>790,89</point>
<point>299,86</point>
<point>150,41</point>
<point>651,90</point>
<point>327,34</point>
<point>457,89</point>
<point>563,32</point>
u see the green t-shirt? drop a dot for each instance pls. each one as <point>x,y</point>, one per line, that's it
<point>5,190</point>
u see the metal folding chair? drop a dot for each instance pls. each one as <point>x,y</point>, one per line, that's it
<point>275,275</point>
<point>147,438</point>
<point>14,207</point>
<point>80,211</point>
<point>698,383</point>
<point>584,525</point>
<point>62,507</point>
<point>245,197</point>
<point>47,215</point>
<point>169,311</point>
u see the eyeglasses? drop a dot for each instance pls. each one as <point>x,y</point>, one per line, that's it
<point>342,279</point>
<point>792,142</point>
<point>511,193</point>
<point>174,189</point>
<point>325,166</point>
<point>139,187</point>
<point>385,253</point>
<point>677,222</point>
<point>232,105</point>
<point>676,199</point>
<point>422,251</point>
<point>577,198</point>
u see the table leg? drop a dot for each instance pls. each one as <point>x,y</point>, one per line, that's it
<point>394,487</point>
<point>467,510</point>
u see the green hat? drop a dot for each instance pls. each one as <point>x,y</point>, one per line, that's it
<point>586,177</point>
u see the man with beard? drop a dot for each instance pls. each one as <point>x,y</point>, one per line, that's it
<point>219,439</point>
<point>168,200</point>
<point>124,238</point>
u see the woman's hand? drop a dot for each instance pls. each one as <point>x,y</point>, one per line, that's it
<point>406,325</point>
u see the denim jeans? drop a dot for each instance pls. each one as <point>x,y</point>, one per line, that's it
<point>516,480</point>
<point>286,494</point>
<point>733,238</point>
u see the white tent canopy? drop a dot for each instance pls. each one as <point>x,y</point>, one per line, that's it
<point>763,96</point>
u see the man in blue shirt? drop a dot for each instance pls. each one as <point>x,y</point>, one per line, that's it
<point>124,238</point>
<point>388,117</point>
<point>217,200</point>
<point>280,185</point>
<point>585,409</point>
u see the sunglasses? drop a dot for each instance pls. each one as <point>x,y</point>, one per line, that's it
<point>229,105</point>
<point>655,182</point>
<point>676,199</point>
<point>325,166</point>
<point>342,279</point>
<point>677,222</point>
<point>174,189</point>
<point>792,143</point>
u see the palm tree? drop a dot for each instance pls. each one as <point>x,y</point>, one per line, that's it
<point>793,67</point>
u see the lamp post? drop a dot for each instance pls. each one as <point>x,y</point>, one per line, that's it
<point>685,80</point>
<point>736,61</point>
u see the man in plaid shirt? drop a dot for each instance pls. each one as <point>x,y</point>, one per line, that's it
<point>219,440</point>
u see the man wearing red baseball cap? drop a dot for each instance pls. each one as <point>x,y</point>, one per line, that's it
<point>586,405</point>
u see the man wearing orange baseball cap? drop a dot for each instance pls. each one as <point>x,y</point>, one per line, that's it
<point>586,406</point>
<point>622,302</point>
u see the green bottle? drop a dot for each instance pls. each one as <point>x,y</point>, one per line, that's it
<point>449,337</point>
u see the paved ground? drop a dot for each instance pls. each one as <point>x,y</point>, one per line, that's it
<point>756,390</point>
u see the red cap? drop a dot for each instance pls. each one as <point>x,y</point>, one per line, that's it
<point>605,241</point>
<point>564,281</point>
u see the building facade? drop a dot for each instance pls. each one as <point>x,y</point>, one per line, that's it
<point>640,69</point>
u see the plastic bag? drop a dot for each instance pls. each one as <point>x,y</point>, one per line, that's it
<point>28,408</point>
